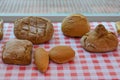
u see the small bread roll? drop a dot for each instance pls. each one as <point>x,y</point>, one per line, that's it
<point>118,26</point>
<point>99,40</point>
<point>1,29</point>
<point>61,54</point>
<point>41,59</point>
<point>75,25</point>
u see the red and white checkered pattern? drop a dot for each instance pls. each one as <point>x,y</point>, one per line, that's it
<point>85,65</point>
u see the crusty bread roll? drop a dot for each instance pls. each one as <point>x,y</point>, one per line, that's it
<point>41,59</point>
<point>99,40</point>
<point>17,52</point>
<point>75,25</point>
<point>35,29</point>
<point>1,29</point>
<point>118,26</point>
<point>61,54</point>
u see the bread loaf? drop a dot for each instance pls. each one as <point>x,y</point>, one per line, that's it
<point>61,54</point>
<point>35,29</point>
<point>17,52</point>
<point>41,59</point>
<point>75,25</point>
<point>99,40</point>
<point>118,26</point>
<point>1,29</point>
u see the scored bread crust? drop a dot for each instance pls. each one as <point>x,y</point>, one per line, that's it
<point>35,29</point>
<point>99,40</point>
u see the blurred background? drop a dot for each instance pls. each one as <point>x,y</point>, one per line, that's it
<point>56,10</point>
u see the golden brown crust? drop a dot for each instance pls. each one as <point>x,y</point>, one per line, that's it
<point>17,52</point>
<point>118,26</point>
<point>35,29</point>
<point>75,25</point>
<point>41,59</point>
<point>61,54</point>
<point>1,29</point>
<point>99,40</point>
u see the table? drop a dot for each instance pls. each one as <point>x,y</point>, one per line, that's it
<point>86,65</point>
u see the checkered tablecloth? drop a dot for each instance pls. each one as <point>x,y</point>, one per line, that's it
<point>85,65</point>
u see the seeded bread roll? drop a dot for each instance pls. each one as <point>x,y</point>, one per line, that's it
<point>35,29</point>
<point>17,52</point>
<point>99,40</point>
<point>1,29</point>
<point>61,54</point>
<point>75,25</point>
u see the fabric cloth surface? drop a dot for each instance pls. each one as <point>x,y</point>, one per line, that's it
<point>85,66</point>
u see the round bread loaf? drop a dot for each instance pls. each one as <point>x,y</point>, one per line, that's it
<point>75,25</point>
<point>35,29</point>
<point>61,54</point>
